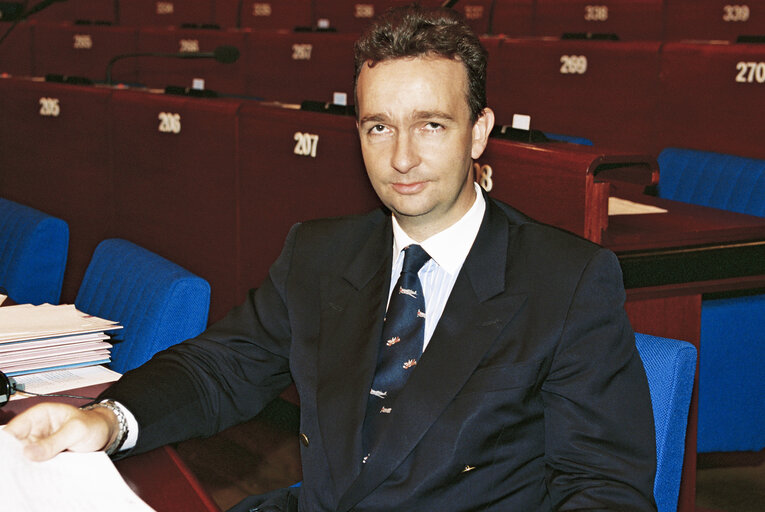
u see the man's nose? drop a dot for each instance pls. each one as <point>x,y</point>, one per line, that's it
<point>405,155</point>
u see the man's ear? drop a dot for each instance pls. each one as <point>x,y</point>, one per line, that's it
<point>481,130</point>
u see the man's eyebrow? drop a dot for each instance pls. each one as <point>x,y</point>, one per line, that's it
<point>432,114</point>
<point>416,115</point>
<point>373,118</point>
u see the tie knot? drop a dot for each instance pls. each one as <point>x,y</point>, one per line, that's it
<point>414,258</point>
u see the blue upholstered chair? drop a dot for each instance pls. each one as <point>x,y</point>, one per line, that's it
<point>33,250</point>
<point>670,366</point>
<point>732,356</point>
<point>157,302</point>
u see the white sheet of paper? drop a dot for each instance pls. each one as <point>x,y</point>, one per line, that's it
<point>619,206</point>
<point>70,482</point>
<point>58,381</point>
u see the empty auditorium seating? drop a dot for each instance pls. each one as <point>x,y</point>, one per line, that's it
<point>712,97</point>
<point>627,19</point>
<point>512,18</point>
<point>294,165</point>
<point>16,50</point>
<point>174,171</point>
<point>713,19</point>
<point>227,78</point>
<point>293,67</point>
<point>604,91</point>
<point>83,50</point>
<point>165,12</point>
<point>56,158</point>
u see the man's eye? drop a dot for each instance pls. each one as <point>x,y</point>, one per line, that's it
<point>378,128</point>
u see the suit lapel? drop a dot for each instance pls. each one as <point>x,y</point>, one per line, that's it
<point>454,352</point>
<point>353,306</point>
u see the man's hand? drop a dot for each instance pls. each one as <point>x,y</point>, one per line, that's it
<point>49,428</point>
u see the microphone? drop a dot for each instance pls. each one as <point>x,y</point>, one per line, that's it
<point>448,3</point>
<point>225,54</point>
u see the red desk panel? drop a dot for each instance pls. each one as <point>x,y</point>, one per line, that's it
<point>143,13</point>
<point>514,18</point>
<point>629,19</point>
<point>712,97</point>
<point>292,67</point>
<point>273,14</point>
<point>294,166</point>
<point>174,165</point>
<point>160,72</point>
<point>713,19</point>
<point>16,57</point>
<point>96,10</point>
<point>56,158</point>
<point>84,50</point>
<point>579,88</point>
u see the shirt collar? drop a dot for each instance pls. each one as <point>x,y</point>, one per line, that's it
<point>450,247</point>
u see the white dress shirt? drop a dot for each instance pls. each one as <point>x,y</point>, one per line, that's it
<point>448,250</point>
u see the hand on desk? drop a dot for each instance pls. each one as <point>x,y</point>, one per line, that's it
<point>49,428</point>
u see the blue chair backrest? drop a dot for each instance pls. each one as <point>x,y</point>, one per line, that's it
<point>670,366</point>
<point>33,250</point>
<point>727,182</point>
<point>157,302</point>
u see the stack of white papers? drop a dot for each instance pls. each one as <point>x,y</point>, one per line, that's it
<point>47,337</point>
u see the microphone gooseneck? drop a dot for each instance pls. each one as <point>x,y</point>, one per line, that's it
<point>225,54</point>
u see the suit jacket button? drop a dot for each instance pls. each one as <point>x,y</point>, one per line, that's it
<point>304,439</point>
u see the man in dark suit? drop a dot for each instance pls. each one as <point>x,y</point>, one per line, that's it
<point>525,392</point>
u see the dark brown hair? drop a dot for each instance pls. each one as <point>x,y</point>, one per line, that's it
<point>414,31</point>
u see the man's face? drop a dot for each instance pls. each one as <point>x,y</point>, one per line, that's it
<point>418,140</point>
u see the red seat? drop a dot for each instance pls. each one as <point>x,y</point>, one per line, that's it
<point>162,71</point>
<point>56,158</point>
<point>142,13</point>
<point>293,67</point>
<point>513,18</point>
<point>84,50</point>
<point>601,90</point>
<point>713,19</point>
<point>713,97</point>
<point>16,56</point>
<point>294,165</point>
<point>628,19</point>
<point>174,172</point>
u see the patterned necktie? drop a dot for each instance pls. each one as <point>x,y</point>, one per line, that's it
<point>402,341</point>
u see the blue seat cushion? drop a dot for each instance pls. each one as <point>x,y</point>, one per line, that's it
<point>33,252</point>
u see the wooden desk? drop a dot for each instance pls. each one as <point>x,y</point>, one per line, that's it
<point>670,261</point>
<point>159,477</point>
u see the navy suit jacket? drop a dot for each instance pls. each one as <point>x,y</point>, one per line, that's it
<point>530,396</point>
